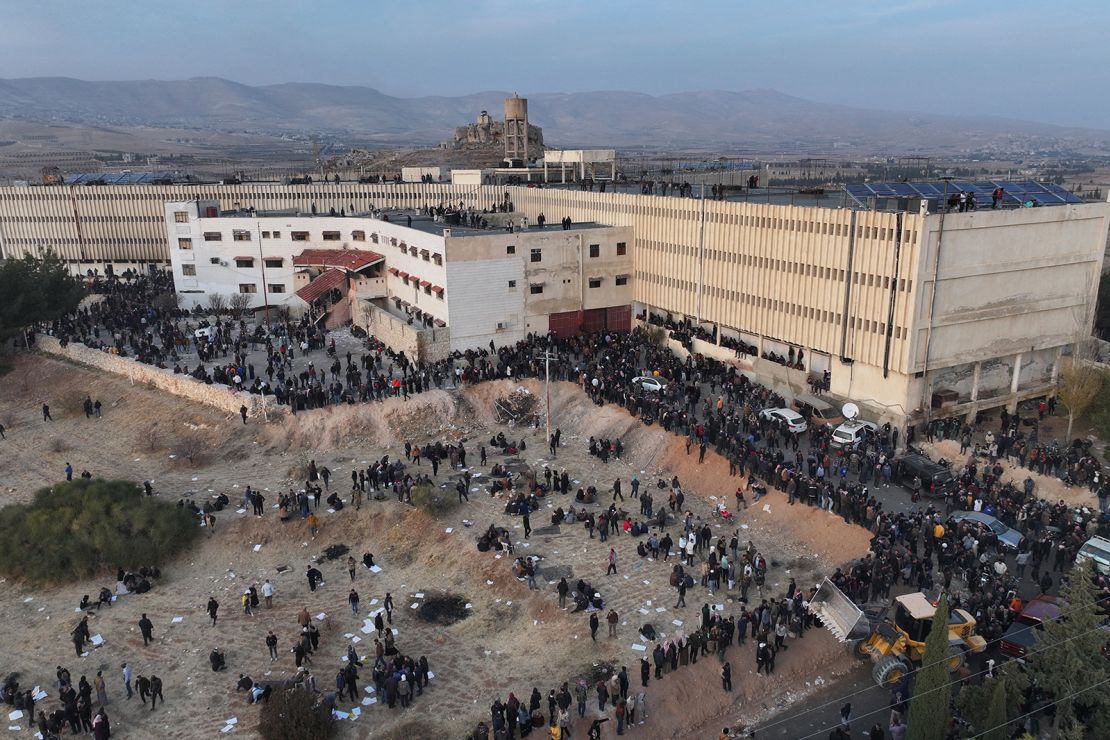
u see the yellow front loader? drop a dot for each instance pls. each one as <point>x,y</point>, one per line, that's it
<point>893,643</point>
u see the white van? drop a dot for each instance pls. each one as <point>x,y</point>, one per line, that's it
<point>1097,549</point>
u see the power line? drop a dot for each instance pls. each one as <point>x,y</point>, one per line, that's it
<point>1041,708</point>
<point>1063,613</point>
<point>939,688</point>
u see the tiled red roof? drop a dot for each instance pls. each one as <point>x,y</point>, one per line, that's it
<point>347,259</point>
<point>321,285</point>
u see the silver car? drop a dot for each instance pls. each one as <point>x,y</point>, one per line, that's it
<point>1010,538</point>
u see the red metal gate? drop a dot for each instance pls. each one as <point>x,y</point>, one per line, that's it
<point>619,318</point>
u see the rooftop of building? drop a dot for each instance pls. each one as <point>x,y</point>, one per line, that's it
<point>347,259</point>
<point>497,224</point>
<point>1014,194</point>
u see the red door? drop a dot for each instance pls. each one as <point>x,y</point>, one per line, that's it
<point>619,318</point>
<point>563,324</point>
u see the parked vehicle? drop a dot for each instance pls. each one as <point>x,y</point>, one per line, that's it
<point>792,419</point>
<point>817,411</point>
<point>649,383</point>
<point>851,433</point>
<point>1098,550</point>
<point>1018,639</point>
<point>935,477</point>
<point>1010,538</point>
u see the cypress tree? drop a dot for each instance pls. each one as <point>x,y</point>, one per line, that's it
<point>932,688</point>
<point>1066,658</point>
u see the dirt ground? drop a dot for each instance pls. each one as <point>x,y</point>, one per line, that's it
<point>1047,487</point>
<point>513,639</point>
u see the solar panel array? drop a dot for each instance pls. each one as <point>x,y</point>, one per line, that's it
<point>123,178</point>
<point>1015,193</point>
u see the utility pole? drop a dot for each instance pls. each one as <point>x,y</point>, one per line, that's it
<point>548,356</point>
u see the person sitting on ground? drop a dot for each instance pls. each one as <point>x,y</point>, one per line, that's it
<point>105,598</point>
<point>217,660</point>
<point>245,683</point>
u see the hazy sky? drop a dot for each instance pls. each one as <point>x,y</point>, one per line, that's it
<point>1045,61</point>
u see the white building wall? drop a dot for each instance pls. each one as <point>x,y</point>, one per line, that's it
<point>224,277</point>
<point>482,298</point>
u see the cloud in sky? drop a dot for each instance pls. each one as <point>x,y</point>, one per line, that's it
<point>1034,60</point>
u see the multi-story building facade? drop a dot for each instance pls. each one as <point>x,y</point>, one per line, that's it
<point>897,305</point>
<point>481,285</point>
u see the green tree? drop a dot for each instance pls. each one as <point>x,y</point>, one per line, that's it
<point>35,289</point>
<point>1066,657</point>
<point>80,529</point>
<point>988,704</point>
<point>932,688</point>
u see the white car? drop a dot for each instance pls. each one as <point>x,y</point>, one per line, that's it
<point>849,434</point>
<point>650,384</point>
<point>205,332</point>
<point>794,421</point>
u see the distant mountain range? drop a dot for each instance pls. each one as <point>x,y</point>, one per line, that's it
<point>715,120</point>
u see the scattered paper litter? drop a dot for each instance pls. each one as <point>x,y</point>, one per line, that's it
<point>743,526</point>
<point>321,616</point>
<point>257,548</point>
<point>375,569</point>
<point>414,605</point>
<point>419,595</point>
<point>676,622</point>
<point>17,714</point>
<point>96,640</point>
<point>660,608</point>
<point>468,605</point>
<point>638,646</point>
<point>767,507</point>
<point>232,721</point>
<point>368,701</point>
<point>176,620</point>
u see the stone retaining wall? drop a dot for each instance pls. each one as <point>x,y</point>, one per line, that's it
<point>219,396</point>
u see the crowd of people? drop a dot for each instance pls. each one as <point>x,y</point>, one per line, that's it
<point>713,406</point>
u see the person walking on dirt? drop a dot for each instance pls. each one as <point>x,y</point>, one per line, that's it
<point>212,608</point>
<point>352,599</point>
<point>612,618</point>
<point>612,569</point>
<point>594,624</point>
<point>146,627</point>
<point>242,413</point>
<point>46,413</point>
<point>617,490</point>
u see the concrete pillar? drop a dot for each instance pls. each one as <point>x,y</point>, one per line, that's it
<point>1011,406</point>
<point>1056,365</point>
<point>975,382</point>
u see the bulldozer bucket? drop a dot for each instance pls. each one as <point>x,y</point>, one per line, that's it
<point>839,614</point>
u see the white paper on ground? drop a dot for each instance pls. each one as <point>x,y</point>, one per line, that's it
<point>419,595</point>
<point>232,721</point>
<point>373,601</point>
<point>431,675</point>
<point>643,611</point>
<point>257,548</point>
<point>375,569</point>
<point>17,714</point>
<point>414,605</point>
<point>660,608</point>
<point>676,622</point>
<point>227,728</point>
<point>96,640</point>
<point>368,701</point>
<point>767,507</point>
<point>639,647</point>
<point>177,620</point>
<point>356,638</point>
<point>321,616</point>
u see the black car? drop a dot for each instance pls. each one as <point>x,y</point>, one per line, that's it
<point>935,478</point>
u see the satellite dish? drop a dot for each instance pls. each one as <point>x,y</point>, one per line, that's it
<point>850,410</point>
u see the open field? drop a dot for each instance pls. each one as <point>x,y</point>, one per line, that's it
<point>514,638</point>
